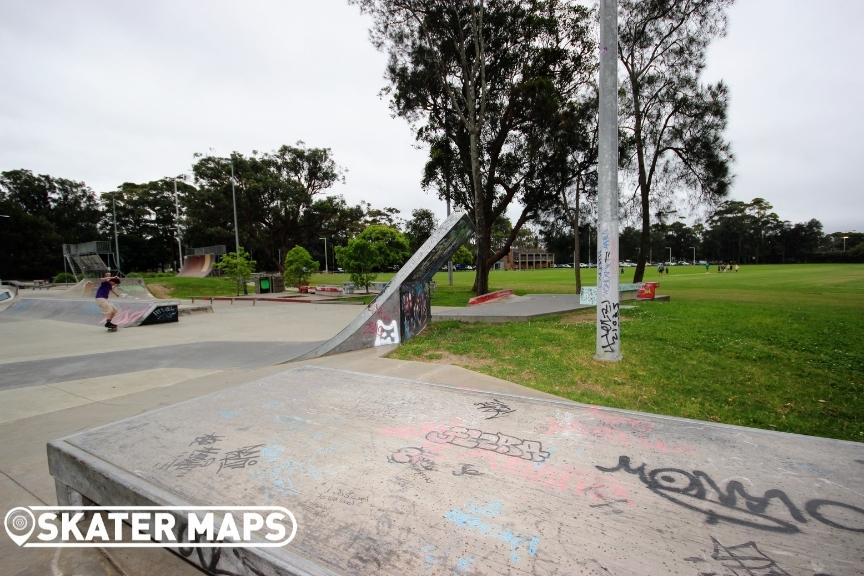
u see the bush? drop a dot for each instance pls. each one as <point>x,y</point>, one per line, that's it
<point>360,257</point>
<point>64,278</point>
<point>239,266</point>
<point>299,267</point>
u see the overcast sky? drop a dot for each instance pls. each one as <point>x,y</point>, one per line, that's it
<point>109,91</point>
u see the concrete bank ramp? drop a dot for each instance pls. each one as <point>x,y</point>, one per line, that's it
<point>389,476</point>
<point>132,312</point>
<point>403,308</point>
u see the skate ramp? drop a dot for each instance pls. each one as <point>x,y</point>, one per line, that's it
<point>388,476</point>
<point>132,287</point>
<point>197,265</point>
<point>7,293</point>
<point>403,308</point>
<point>131,312</point>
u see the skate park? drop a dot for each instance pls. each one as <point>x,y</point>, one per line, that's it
<point>468,289</point>
<point>400,467</point>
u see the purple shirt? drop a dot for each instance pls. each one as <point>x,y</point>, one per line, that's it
<point>104,289</point>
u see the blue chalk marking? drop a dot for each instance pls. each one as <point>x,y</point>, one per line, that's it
<point>272,452</point>
<point>227,414</point>
<point>428,555</point>
<point>462,519</point>
<point>532,546</point>
<point>490,510</point>
<point>464,564</point>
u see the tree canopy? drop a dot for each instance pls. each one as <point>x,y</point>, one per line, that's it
<point>487,88</point>
<point>673,123</point>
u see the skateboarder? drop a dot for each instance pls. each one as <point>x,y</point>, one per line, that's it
<point>106,288</point>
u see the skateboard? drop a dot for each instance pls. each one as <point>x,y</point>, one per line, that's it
<point>112,328</point>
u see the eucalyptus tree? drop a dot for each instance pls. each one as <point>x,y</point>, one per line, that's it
<point>673,121</point>
<point>482,85</point>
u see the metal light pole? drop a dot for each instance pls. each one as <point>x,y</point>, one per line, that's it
<point>844,244</point>
<point>116,241</point>
<point>670,254</point>
<point>234,201</point>
<point>177,224</point>
<point>694,254</point>
<point>608,346</point>
<point>326,267</point>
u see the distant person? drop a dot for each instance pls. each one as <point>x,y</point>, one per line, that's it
<point>737,267</point>
<point>707,267</point>
<point>106,288</point>
<point>660,269</point>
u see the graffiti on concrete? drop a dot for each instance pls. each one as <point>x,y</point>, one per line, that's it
<point>494,442</point>
<point>733,504</point>
<point>386,333</point>
<point>416,309</point>
<point>609,325</point>
<point>494,408</point>
<point>206,453</point>
<point>467,470</point>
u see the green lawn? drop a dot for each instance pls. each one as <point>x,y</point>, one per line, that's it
<point>778,347</point>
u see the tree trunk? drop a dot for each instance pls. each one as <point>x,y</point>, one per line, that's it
<point>484,228</point>
<point>577,270</point>
<point>644,185</point>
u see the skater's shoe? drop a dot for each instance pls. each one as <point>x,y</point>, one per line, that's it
<point>108,323</point>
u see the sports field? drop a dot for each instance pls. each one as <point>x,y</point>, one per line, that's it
<point>777,347</point>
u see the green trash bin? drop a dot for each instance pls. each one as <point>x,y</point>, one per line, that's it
<point>264,285</point>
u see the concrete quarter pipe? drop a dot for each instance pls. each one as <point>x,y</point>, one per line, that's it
<point>197,266</point>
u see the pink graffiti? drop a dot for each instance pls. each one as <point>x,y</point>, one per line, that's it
<point>562,478</point>
<point>128,317</point>
<point>617,430</point>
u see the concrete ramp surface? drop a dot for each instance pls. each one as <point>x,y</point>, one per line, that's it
<point>132,312</point>
<point>395,477</point>
<point>197,265</point>
<point>403,308</point>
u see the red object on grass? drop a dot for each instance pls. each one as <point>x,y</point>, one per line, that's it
<point>483,298</point>
<point>647,291</point>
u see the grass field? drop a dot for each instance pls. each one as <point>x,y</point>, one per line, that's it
<point>777,347</point>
